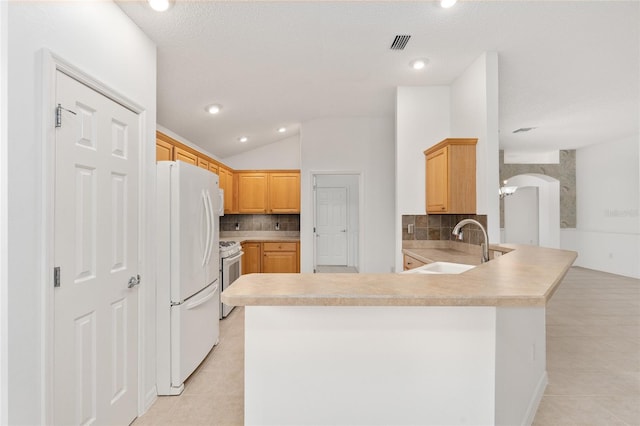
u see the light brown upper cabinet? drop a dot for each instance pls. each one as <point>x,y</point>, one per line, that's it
<point>184,155</point>
<point>227,184</point>
<point>252,192</point>
<point>203,163</point>
<point>268,192</point>
<point>164,150</point>
<point>284,192</point>
<point>213,168</point>
<point>451,176</point>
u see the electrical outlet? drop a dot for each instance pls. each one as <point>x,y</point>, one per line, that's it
<point>410,228</point>
<point>237,226</point>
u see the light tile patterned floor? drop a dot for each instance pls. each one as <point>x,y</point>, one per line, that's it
<point>593,361</point>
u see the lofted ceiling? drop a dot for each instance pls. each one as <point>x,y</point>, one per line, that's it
<point>569,69</point>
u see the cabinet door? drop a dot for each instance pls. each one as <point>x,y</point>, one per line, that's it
<point>203,163</point>
<point>284,192</point>
<point>437,182</point>
<point>213,168</point>
<point>279,262</point>
<point>183,155</point>
<point>252,192</point>
<point>251,259</point>
<point>411,262</point>
<point>226,183</point>
<point>164,150</point>
<point>280,257</point>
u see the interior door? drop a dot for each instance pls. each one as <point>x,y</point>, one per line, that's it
<point>96,251</point>
<point>331,226</point>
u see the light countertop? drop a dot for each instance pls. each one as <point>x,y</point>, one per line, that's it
<point>245,236</point>
<point>525,276</point>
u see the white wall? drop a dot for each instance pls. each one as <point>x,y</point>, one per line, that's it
<point>359,144</point>
<point>422,120</point>
<point>474,113</point>
<point>3,213</point>
<point>350,182</point>
<point>548,210</point>
<point>99,39</point>
<point>284,154</point>
<point>607,235</point>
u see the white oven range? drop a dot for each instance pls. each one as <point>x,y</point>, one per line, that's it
<point>230,269</point>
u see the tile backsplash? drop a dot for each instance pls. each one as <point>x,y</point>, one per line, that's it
<point>440,226</point>
<point>260,222</point>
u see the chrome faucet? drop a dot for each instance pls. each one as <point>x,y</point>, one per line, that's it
<point>485,246</point>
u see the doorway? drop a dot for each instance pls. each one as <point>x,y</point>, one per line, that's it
<point>521,216</point>
<point>336,224</point>
<point>546,210</point>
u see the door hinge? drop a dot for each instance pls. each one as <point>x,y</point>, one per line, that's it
<point>59,110</point>
<point>56,276</point>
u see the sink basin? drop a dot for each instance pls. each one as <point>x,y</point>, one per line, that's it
<point>440,268</point>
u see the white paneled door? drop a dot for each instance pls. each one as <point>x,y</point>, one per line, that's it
<point>96,249</point>
<point>331,226</point>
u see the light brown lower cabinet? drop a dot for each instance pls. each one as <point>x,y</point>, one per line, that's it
<point>270,257</point>
<point>412,262</point>
<point>280,257</point>
<point>252,258</point>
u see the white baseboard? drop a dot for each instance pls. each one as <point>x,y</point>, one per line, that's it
<point>536,399</point>
<point>149,399</point>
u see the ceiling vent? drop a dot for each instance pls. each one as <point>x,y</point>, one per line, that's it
<point>400,42</point>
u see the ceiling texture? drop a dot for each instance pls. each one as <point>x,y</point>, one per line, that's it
<point>569,69</point>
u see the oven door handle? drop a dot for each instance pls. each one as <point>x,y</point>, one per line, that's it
<point>233,258</point>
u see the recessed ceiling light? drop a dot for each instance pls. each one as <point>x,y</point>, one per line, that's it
<point>243,139</point>
<point>213,109</point>
<point>160,5</point>
<point>418,64</point>
<point>447,3</point>
<point>282,129</point>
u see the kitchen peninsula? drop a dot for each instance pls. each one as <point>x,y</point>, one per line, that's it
<point>400,348</point>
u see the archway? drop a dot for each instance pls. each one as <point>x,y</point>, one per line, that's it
<point>548,191</point>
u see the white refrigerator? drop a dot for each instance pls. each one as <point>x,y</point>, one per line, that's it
<point>188,285</point>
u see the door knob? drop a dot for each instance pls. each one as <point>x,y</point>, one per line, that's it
<point>134,281</point>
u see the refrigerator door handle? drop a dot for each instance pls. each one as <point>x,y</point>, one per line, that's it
<point>192,304</point>
<point>211,229</point>
<point>207,214</point>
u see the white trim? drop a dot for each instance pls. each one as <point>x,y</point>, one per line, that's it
<point>50,64</point>
<point>4,282</point>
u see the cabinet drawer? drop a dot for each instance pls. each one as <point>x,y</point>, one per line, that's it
<point>278,246</point>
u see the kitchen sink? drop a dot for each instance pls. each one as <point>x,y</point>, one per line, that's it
<point>440,268</point>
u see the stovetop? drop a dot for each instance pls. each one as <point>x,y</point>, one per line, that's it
<point>229,248</point>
